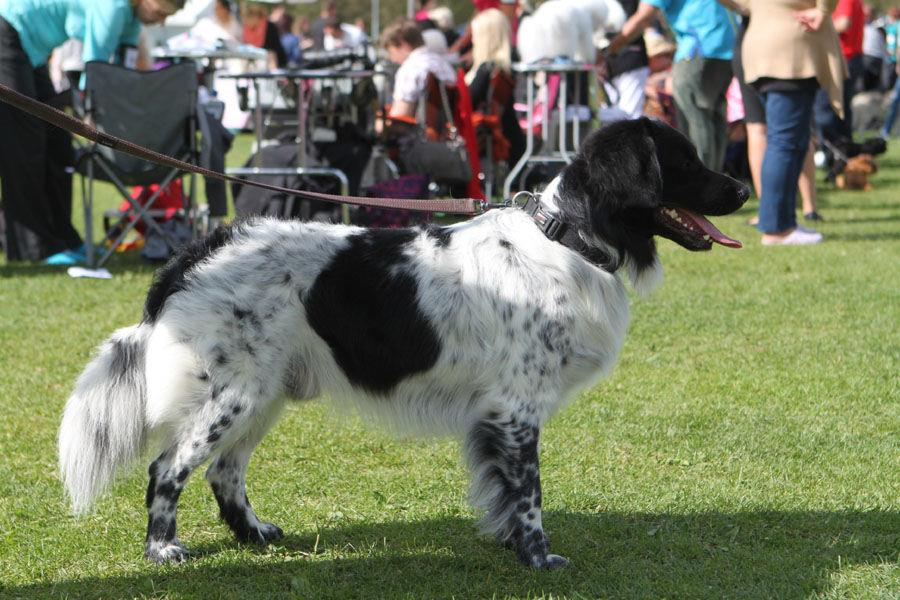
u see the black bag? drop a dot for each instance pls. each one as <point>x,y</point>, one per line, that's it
<point>445,161</point>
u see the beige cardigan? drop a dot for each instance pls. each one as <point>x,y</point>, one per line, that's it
<point>776,45</point>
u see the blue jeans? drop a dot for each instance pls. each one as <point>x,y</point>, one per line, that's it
<point>787,136</point>
<point>893,109</point>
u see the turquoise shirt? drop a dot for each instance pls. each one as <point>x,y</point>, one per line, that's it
<point>702,28</point>
<point>102,25</point>
<point>891,34</point>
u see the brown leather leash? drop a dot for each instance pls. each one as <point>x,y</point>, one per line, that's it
<point>456,206</point>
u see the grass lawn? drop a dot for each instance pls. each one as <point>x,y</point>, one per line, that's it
<point>747,446</point>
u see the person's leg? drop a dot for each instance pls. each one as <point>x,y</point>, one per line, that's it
<point>59,158</point>
<point>700,85</point>
<point>856,68</point>
<point>807,185</point>
<point>829,126</point>
<point>715,79</point>
<point>22,138</point>
<point>691,118</point>
<point>893,109</point>
<point>29,213</point>
<point>756,150</point>
<point>871,79</point>
<point>787,115</point>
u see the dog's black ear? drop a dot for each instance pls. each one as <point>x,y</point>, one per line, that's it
<point>611,186</point>
<point>622,165</point>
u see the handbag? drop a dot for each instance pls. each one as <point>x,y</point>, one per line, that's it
<point>446,161</point>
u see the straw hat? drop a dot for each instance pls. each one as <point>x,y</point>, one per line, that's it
<point>657,43</point>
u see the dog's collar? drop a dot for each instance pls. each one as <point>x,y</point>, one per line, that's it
<point>557,230</point>
<point>549,224</point>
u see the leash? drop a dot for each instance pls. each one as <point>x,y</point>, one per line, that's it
<point>44,112</point>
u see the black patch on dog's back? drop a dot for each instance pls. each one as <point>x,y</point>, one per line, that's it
<point>170,278</point>
<point>364,305</point>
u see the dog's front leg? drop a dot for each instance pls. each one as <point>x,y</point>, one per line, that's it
<point>502,452</point>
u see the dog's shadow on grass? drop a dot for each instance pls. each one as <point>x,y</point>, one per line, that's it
<point>750,554</point>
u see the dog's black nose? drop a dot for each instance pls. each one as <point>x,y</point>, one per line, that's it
<point>743,192</point>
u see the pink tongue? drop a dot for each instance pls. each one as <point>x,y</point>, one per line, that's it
<point>708,228</point>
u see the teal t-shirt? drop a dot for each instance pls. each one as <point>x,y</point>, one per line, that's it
<point>891,35</point>
<point>101,25</point>
<point>702,28</point>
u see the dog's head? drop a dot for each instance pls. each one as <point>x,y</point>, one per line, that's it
<point>633,180</point>
<point>861,163</point>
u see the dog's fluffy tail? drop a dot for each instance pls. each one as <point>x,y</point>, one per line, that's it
<point>104,424</point>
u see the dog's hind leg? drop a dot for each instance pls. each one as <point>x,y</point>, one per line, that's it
<point>227,477</point>
<point>502,452</point>
<point>221,422</point>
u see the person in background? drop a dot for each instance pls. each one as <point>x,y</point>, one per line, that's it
<point>492,56</point>
<point>425,6</point>
<point>627,72</point>
<point>405,47</point>
<point>259,31</point>
<point>279,15</point>
<point>224,27</point>
<point>660,103</point>
<point>874,52</point>
<point>297,40</point>
<point>801,29</point>
<point>702,71</point>
<point>317,29</point>
<point>462,46</point>
<point>891,24</point>
<point>221,25</point>
<point>342,35</point>
<point>34,156</point>
<point>434,40</point>
<point>894,107</point>
<point>755,123</point>
<point>442,17</point>
<point>849,22</point>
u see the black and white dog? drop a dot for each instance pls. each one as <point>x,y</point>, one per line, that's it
<point>482,329</point>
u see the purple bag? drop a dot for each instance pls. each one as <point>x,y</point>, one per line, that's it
<point>405,186</point>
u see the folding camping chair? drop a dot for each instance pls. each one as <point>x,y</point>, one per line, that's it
<point>155,109</point>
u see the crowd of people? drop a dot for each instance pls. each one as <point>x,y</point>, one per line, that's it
<point>786,71</point>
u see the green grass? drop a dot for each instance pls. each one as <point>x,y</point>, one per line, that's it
<point>746,446</point>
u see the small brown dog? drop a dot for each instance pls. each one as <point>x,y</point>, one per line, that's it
<point>856,174</point>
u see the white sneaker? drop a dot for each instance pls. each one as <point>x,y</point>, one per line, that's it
<point>798,237</point>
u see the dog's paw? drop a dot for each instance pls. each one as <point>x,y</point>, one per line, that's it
<point>262,534</point>
<point>166,552</point>
<point>549,562</point>
<point>555,561</point>
<point>270,533</point>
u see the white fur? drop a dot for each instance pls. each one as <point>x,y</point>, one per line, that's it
<point>568,28</point>
<point>104,422</point>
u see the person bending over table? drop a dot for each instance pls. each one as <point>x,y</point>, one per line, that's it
<point>36,188</point>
